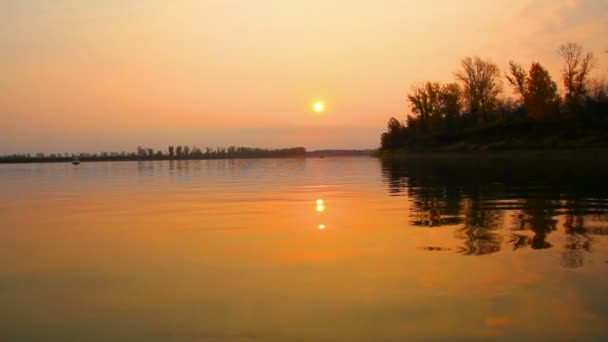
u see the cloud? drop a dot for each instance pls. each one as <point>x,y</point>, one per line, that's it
<point>539,27</point>
<point>557,16</point>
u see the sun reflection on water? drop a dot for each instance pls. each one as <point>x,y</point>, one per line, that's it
<point>320,205</point>
<point>320,208</point>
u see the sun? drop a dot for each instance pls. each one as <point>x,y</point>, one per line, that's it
<point>318,107</point>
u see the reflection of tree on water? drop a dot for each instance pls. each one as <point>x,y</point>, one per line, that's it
<point>435,206</point>
<point>477,195</point>
<point>577,237</point>
<point>479,226</point>
<point>395,177</point>
<point>435,203</point>
<point>538,216</point>
<point>443,196</point>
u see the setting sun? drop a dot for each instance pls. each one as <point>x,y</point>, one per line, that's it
<point>318,107</point>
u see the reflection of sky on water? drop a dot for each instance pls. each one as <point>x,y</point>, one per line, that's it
<point>233,250</point>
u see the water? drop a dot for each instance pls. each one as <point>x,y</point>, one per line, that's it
<point>332,249</point>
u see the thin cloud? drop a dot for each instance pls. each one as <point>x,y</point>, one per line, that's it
<point>563,15</point>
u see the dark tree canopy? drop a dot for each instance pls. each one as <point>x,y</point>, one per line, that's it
<point>541,94</point>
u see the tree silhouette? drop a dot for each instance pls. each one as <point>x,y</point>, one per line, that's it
<point>518,79</point>
<point>426,102</point>
<point>437,106</point>
<point>541,94</point>
<point>450,96</point>
<point>392,138</point>
<point>575,72</point>
<point>482,84</point>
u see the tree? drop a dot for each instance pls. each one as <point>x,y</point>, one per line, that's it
<point>537,90</point>
<point>598,90</point>
<point>517,78</point>
<point>451,107</point>
<point>541,94</point>
<point>393,137</point>
<point>596,104</point>
<point>425,101</point>
<point>141,152</point>
<point>171,151</point>
<point>576,69</point>
<point>437,105</point>
<point>197,152</point>
<point>178,151</point>
<point>482,84</point>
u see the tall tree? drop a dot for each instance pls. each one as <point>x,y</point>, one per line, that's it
<point>393,137</point>
<point>426,102</point>
<point>450,99</point>
<point>482,84</point>
<point>541,94</point>
<point>171,151</point>
<point>517,78</point>
<point>425,99</point>
<point>575,71</point>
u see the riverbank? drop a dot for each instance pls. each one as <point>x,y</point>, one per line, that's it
<point>591,154</point>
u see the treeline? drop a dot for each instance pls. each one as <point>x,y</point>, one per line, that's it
<point>472,113</point>
<point>172,153</point>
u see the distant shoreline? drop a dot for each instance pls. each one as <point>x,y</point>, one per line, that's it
<point>307,154</point>
<point>340,153</point>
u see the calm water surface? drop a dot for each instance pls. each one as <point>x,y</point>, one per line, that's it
<point>332,249</point>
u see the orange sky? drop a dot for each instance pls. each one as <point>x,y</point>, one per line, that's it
<point>111,75</point>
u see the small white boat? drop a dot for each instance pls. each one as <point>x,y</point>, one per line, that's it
<point>75,161</point>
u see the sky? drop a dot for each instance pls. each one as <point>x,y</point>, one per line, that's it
<point>92,76</point>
